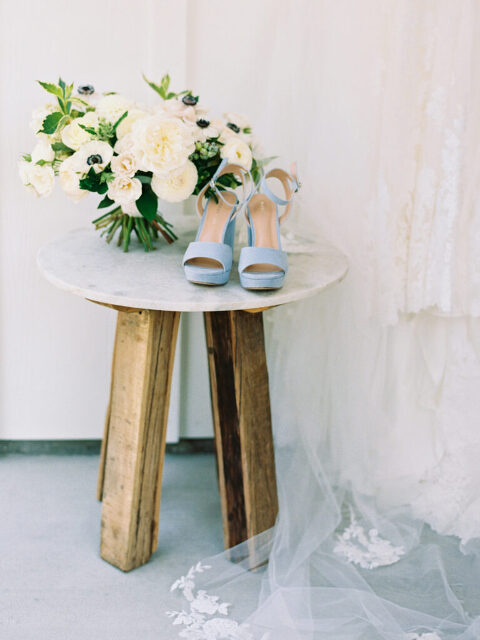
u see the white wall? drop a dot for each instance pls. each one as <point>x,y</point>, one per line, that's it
<point>56,348</point>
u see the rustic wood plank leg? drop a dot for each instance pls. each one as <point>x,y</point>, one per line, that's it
<point>103,450</point>
<point>138,412</point>
<point>242,422</point>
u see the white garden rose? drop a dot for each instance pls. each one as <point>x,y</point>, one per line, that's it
<point>162,144</point>
<point>69,177</point>
<point>177,185</point>
<point>74,136</point>
<point>125,144</point>
<point>124,164</point>
<point>112,107</point>
<point>237,152</point>
<point>126,124</point>
<point>43,151</point>
<point>38,179</point>
<point>124,190</point>
<point>96,154</point>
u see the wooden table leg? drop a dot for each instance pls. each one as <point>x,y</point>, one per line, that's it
<point>135,435</point>
<point>242,422</point>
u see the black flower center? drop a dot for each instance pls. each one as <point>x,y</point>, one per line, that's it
<point>94,159</point>
<point>86,90</point>
<point>233,127</point>
<point>202,123</point>
<point>189,100</point>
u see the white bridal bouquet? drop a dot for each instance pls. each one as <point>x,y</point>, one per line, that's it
<point>132,155</point>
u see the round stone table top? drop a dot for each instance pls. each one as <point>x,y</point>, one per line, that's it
<point>82,263</point>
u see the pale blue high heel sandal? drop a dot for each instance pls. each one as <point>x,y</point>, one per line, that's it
<point>263,264</point>
<point>208,260</point>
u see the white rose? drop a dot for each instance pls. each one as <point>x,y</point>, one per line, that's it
<point>162,144</point>
<point>74,136</point>
<point>237,152</point>
<point>96,154</point>
<point>39,115</point>
<point>124,190</point>
<point>39,180</point>
<point>238,119</point>
<point>69,178</point>
<point>126,124</point>
<point>125,144</point>
<point>177,185</point>
<point>110,108</point>
<point>43,151</point>
<point>124,165</point>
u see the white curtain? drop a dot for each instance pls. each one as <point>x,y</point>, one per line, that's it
<point>375,383</point>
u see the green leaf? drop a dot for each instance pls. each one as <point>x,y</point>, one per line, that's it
<point>59,146</point>
<point>147,204</point>
<point>92,182</point>
<point>61,84</point>
<point>50,123</point>
<point>89,130</point>
<point>160,90</point>
<point>51,88</point>
<point>122,117</point>
<point>42,162</point>
<point>106,202</point>
<point>144,179</point>
<point>27,157</point>
<point>110,93</point>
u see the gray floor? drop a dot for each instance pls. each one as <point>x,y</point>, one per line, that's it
<point>53,584</point>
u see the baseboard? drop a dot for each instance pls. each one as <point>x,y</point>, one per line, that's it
<point>92,447</point>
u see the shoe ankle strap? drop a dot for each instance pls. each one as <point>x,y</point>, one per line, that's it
<point>290,184</point>
<point>223,168</point>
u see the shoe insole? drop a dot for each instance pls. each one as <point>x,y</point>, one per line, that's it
<point>264,221</point>
<point>216,218</point>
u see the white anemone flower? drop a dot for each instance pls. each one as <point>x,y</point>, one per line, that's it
<point>96,154</point>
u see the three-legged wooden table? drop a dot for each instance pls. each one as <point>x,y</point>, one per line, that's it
<point>149,292</point>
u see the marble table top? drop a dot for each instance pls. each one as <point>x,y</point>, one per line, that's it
<point>82,263</point>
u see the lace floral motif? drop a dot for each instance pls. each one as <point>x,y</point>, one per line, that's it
<point>367,550</point>
<point>202,621</point>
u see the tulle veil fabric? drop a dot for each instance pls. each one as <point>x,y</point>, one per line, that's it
<point>375,383</point>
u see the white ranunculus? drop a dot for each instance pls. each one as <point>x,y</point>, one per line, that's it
<point>74,136</point>
<point>124,165</point>
<point>38,179</point>
<point>96,154</point>
<point>162,144</point>
<point>126,124</point>
<point>43,151</point>
<point>69,177</point>
<point>39,115</point>
<point>237,152</point>
<point>177,185</point>
<point>124,190</point>
<point>110,108</point>
<point>239,119</point>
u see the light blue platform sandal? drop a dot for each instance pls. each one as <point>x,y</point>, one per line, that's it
<point>208,260</point>
<point>263,264</point>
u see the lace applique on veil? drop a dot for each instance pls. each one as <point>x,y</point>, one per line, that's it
<point>367,549</point>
